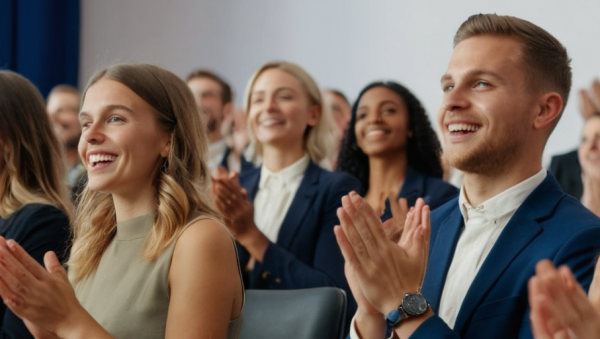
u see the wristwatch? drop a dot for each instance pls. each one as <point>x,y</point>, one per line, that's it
<point>413,304</point>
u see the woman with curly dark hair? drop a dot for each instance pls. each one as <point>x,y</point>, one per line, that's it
<point>392,149</point>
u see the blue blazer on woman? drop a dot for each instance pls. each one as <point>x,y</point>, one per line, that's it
<point>306,253</point>
<point>434,191</point>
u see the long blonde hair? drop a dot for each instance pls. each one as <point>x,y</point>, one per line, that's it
<point>181,183</point>
<point>319,141</point>
<point>32,167</point>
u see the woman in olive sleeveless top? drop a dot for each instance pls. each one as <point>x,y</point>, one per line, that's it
<point>150,257</point>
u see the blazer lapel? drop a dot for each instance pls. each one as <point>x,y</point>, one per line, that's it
<point>250,181</point>
<point>413,186</point>
<point>300,205</point>
<point>440,257</point>
<point>518,233</point>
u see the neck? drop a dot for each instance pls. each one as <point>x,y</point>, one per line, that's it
<point>134,204</point>
<point>480,187</point>
<point>277,158</point>
<point>72,157</point>
<point>386,176</point>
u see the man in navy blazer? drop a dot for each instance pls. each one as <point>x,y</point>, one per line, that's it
<point>505,88</point>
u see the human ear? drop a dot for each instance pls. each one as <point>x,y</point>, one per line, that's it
<point>167,147</point>
<point>314,114</point>
<point>549,109</point>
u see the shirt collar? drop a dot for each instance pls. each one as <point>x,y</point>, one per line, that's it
<point>287,174</point>
<point>505,202</point>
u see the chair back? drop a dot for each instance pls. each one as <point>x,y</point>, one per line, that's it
<point>313,313</point>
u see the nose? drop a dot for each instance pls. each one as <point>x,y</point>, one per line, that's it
<point>454,99</point>
<point>93,134</point>
<point>272,104</point>
<point>374,117</point>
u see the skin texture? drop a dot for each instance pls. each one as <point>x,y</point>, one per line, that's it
<point>340,110</point>
<point>116,120</point>
<point>485,87</point>
<point>589,158</point>
<point>279,113</point>
<point>559,307</point>
<point>381,131</point>
<point>208,95</point>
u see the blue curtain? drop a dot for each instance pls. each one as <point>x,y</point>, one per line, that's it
<point>40,40</point>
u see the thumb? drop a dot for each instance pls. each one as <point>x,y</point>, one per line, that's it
<point>53,265</point>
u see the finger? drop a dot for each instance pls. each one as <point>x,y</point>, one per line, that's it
<point>536,315</point>
<point>12,289</point>
<point>403,241</point>
<point>359,223</point>
<point>595,94</point>
<point>20,264</point>
<point>594,292</point>
<point>371,219</point>
<point>586,106</point>
<point>426,236</point>
<point>345,247</point>
<point>53,265</point>
<point>352,235</point>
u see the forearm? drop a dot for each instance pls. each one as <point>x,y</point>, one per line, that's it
<point>254,242</point>
<point>367,326</point>
<point>82,326</point>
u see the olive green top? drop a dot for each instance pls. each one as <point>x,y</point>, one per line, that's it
<point>128,295</point>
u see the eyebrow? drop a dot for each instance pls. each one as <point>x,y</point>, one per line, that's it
<point>108,109</point>
<point>471,74</point>
<point>380,104</point>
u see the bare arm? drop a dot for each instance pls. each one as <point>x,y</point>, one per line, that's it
<point>206,290</point>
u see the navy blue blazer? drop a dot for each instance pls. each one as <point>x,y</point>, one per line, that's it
<point>245,165</point>
<point>306,253</point>
<point>549,224</point>
<point>434,191</point>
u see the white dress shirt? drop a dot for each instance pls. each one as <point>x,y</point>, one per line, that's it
<point>216,151</point>
<point>483,225</point>
<point>276,191</point>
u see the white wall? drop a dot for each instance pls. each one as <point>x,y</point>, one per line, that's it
<point>343,44</point>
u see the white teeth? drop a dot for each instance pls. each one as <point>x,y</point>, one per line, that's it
<point>462,127</point>
<point>270,122</point>
<point>95,158</point>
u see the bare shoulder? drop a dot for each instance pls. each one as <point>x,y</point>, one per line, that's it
<point>205,237</point>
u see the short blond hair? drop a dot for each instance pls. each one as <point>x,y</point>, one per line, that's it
<point>319,140</point>
<point>545,60</point>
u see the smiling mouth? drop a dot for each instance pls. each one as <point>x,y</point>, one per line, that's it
<point>97,159</point>
<point>271,122</point>
<point>462,129</point>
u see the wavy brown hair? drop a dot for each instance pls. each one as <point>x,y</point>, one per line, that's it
<point>181,184</point>
<point>32,169</point>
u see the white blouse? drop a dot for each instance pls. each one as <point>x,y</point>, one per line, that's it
<point>276,191</point>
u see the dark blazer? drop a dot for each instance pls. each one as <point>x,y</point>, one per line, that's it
<point>416,185</point>
<point>549,224</point>
<point>306,253</point>
<point>245,165</point>
<point>38,228</point>
<point>567,170</point>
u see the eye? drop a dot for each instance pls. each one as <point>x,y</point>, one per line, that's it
<point>115,119</point>
<point>85,124</point>
<point>446,88</point>
<point>257,100</point>
<point>482,84</point>
<point>361,115</point>
<point>389,110</point>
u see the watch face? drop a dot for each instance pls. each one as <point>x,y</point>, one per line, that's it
<point>414,304</point>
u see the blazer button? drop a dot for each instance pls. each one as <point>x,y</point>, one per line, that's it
<point>266,275</point>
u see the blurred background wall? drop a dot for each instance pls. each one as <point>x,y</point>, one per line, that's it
<point>343,44</point>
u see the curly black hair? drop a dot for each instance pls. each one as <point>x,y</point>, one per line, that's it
<point>423,150</point>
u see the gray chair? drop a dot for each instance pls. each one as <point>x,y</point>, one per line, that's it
<point>313,313</point>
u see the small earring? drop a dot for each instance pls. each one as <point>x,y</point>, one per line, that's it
<point>164,166</point>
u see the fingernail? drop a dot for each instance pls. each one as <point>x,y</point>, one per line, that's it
<point>11,244</point>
